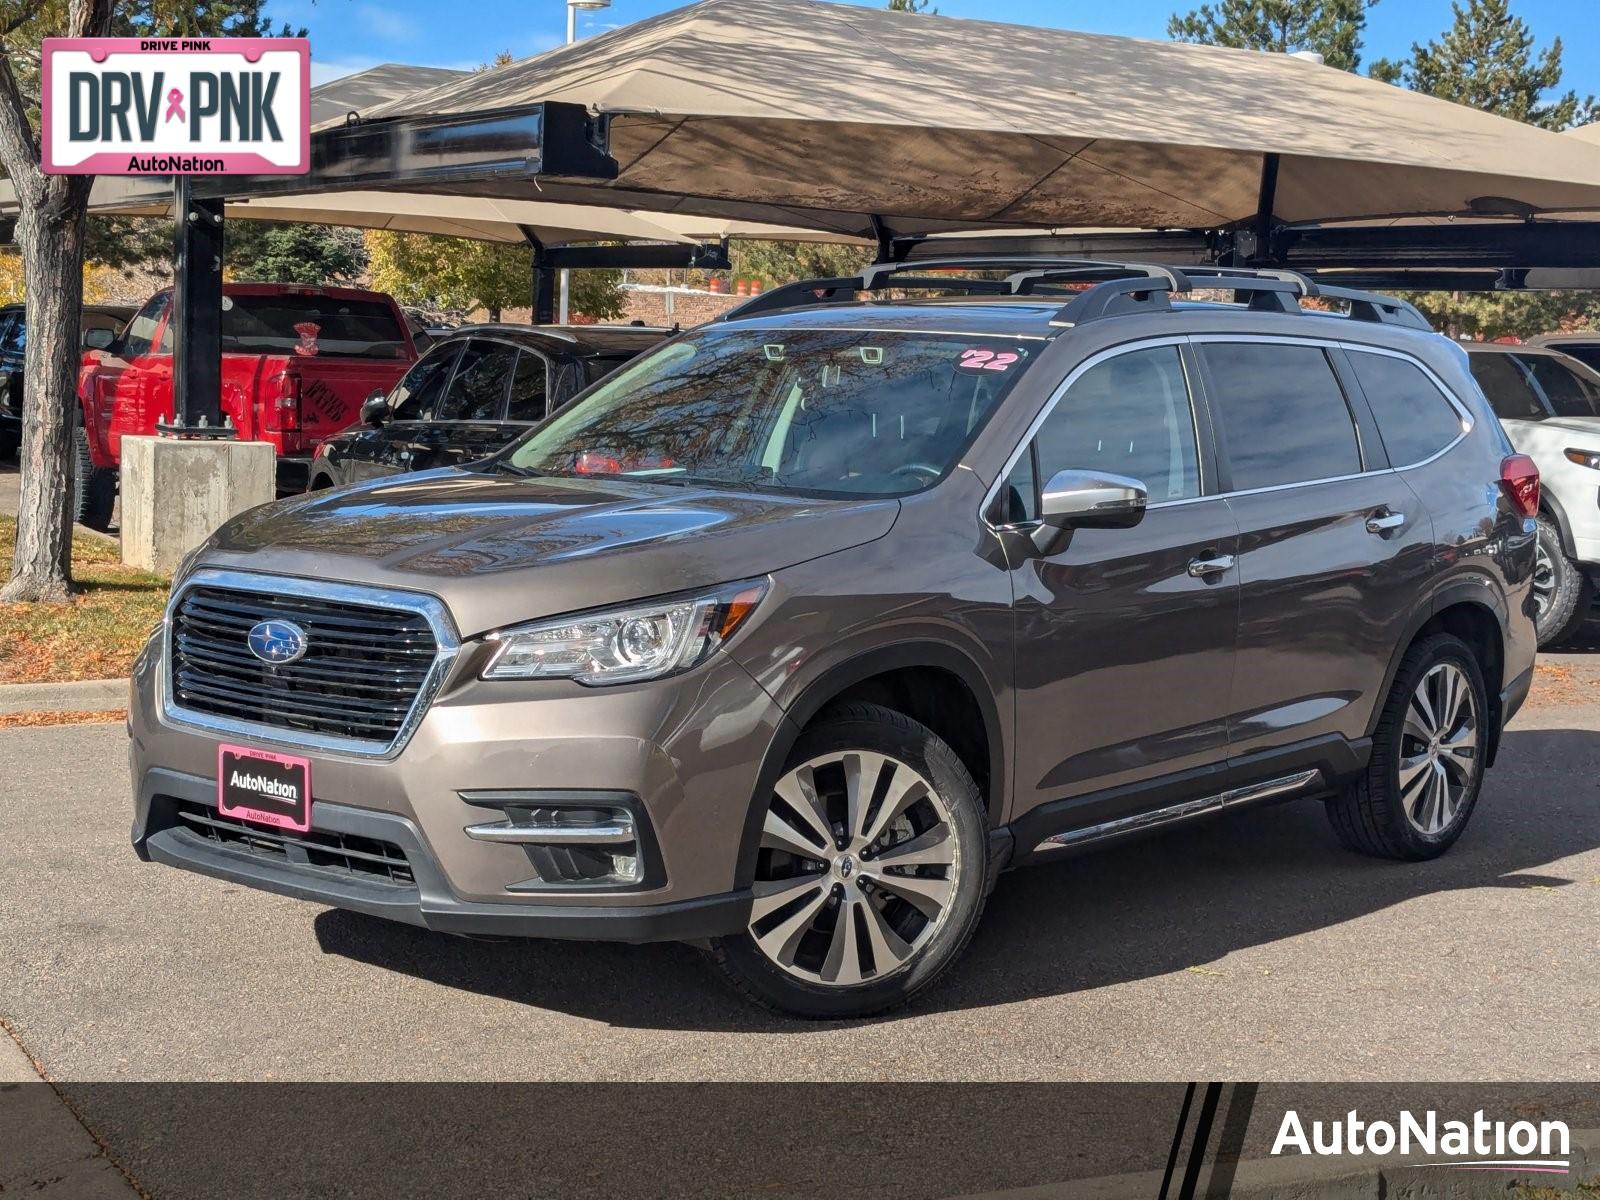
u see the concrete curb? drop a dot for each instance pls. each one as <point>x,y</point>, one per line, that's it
<point>89,695</point>
<point>46,1151</point>
<point>1299,1178</point>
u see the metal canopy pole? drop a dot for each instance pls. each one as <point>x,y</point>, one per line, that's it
<point>196,318</point>
<point>542,306</point>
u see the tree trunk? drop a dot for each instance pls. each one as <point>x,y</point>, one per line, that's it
<point>51,241</point>
<point>50,224</point>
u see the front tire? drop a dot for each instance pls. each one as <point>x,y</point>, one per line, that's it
<point>1426,769</point>
<point>1560,590</point>
<point>871,874</point>
<point>94,489</point>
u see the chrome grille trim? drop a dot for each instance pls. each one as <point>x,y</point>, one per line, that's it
<point>429,608</point>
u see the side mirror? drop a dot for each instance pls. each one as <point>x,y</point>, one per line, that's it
<point>1087,500</point>
<point>375,409</point>
<point>98,339</point>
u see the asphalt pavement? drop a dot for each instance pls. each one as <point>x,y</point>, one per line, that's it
<point>1250,946</point>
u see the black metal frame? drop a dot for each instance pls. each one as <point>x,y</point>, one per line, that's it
<point>1467,256</point>
<point>1114,287</point>
<point>196,289</point>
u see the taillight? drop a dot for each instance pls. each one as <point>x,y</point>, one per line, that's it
<point>1519,480</point>
<point>283,403</point>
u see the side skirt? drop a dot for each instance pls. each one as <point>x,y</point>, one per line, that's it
<point>1312,768</point>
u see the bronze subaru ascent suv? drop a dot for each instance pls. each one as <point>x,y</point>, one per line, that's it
<point>789,636</point>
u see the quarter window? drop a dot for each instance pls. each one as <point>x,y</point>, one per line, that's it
<point>528,389</point>
<point>1282,414</point>
<point>1414,418</point>
<point>1129,415</point>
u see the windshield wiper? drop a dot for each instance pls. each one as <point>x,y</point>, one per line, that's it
<point>506,467</point>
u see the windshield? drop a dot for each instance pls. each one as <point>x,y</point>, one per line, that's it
<point>817,411</point>
<point>311,326</point>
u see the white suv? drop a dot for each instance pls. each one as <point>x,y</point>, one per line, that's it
<point>1549,404</point>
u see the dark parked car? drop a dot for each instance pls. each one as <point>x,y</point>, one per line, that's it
<point>475,389</point>
<point>107,318</point>
<point>791,634</point>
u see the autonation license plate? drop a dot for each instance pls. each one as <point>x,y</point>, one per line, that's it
<point>269,789</point>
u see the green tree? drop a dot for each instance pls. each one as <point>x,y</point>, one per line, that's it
<point>913,6</point>
<point>1486,59</point>
<point>1331,28</point>
<point>270,252</point>
<point>456,275</point>
<point>780,262</point>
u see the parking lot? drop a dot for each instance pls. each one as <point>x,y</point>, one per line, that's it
<point>1251,946</point>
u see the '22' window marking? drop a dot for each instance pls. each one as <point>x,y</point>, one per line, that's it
<point>986,360</point>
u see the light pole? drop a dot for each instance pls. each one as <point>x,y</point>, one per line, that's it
<point>572,35</point>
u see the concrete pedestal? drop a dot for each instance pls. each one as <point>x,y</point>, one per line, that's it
<point>175,492</point>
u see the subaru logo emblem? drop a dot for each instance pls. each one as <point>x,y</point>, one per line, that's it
<point>277,642</point>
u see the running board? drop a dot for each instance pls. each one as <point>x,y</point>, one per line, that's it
<point>1184,811</point>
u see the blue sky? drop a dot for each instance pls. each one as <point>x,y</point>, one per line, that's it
<point>349,35</point>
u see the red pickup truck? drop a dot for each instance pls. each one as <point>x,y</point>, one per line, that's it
<point>296,364</point>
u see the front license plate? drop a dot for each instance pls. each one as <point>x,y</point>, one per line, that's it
<point>269,789</point>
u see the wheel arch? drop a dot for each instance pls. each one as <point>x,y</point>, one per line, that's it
<point>882,675</point>
<point>1551,507</point>
<point>1477,616</point>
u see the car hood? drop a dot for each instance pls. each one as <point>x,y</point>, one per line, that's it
<point>498,549</point>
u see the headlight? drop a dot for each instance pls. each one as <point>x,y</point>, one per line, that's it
<point>1584,458</point>
<point>624,645</point>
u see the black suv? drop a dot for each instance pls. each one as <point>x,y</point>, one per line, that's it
<point>790,635</point>
<point>108,318</point>
<point>476,389</point>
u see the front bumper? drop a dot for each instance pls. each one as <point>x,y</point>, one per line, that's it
<point>686,751</point>
<point>10,430</point>
<point>427,901</point>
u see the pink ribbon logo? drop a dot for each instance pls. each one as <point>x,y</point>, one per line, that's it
<point>175,105</point>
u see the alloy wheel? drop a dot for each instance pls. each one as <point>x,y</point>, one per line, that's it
<point>1438,748</point>
<point>1544,581</point>
<point>857,870</point>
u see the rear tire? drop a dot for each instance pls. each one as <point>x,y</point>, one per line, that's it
<point>1560,588</point>
<point>872,873</point>
<point>94,489</point>
<point>1426,770</point>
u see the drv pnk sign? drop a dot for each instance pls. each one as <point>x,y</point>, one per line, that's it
<point>176,106</point>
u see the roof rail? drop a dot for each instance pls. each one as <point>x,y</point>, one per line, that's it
<point>1115,287</point>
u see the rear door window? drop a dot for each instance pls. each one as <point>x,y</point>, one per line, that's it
<point>529,388</point>
<point>1506,385</point>
<point>478,390</point>
<point>1281,414</point>
<point>1129,415</point>
<point>1415,419</point>
<point>1568,393</point>
<point>311,326</point>
<point>417,395</point>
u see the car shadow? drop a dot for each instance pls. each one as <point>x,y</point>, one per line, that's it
<point>1136,910</point>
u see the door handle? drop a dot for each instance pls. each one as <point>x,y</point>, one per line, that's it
<point>1200,568</point>
<point>1385,521</point>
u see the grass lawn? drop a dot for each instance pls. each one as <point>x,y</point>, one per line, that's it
<point>93,637</point>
